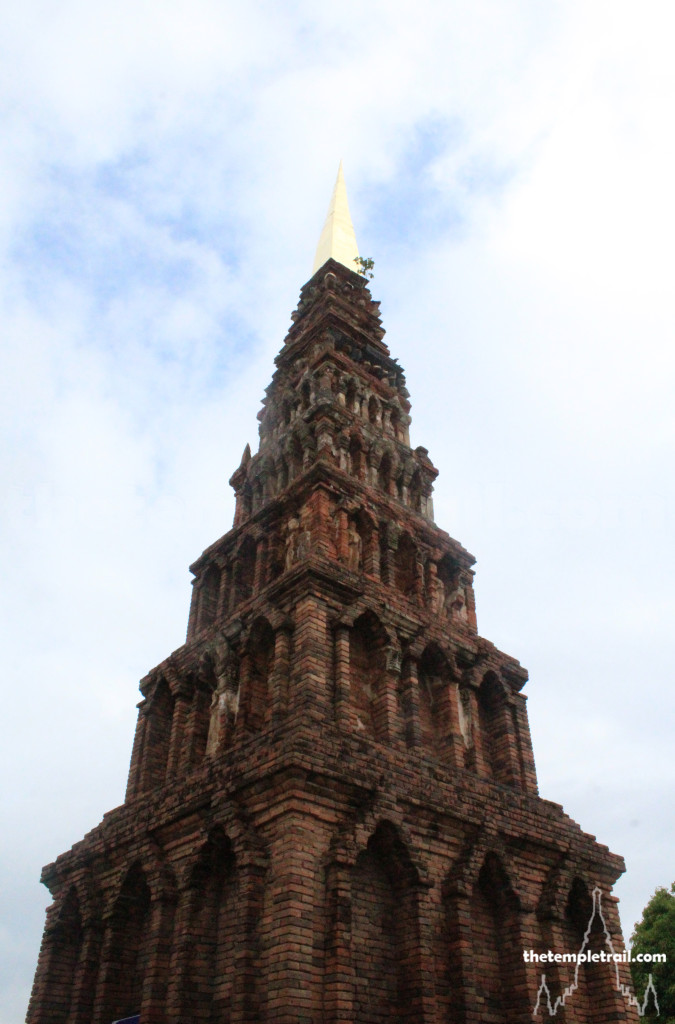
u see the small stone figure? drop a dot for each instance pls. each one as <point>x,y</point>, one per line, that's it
<point>225,699</point>
<point>304,542</point>
<point>436,593</point>
<point>465,719</point>
<point>354,548</point>
<point>456,602</point>
<point>392,660</point>
<point>292,542</point>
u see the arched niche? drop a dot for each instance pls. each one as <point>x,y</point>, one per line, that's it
<point>269,477</point>
<point>496,730</point>
<point>199,719</point>
<point>405,566</point>
<point>367,641</point>
<point>384,473</point>
<point>157,738</point>
<point>66,937</point>
<point>583,927</point>
<point>366,530</point>
<point>352,397</point>
<point>374,415</point>
<point>244,570</point>
<point>295,458</point>
<point>495,956</point>
<point>209,591</point>
<point>247,500</point>
<point>210,970</point>
<point>258,494</point>
<point>399,482</point>
<point>130,947</point>
<point>357,461</point>
<point>415,492</point>
<point>395,421</point>
<point>436,691</point>
<point>282,473</point>
<point>385,932</point>
<point>260,662</point>
<point>448,574</point>
<point>276,552</point>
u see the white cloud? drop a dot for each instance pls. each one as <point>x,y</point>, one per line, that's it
<point>165,170</point>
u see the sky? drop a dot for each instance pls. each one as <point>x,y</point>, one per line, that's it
<point>165,169</point>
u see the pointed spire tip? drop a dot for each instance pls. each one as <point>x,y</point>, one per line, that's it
<point>338,240</point>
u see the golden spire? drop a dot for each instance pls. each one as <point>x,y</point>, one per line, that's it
<point>337,238</point>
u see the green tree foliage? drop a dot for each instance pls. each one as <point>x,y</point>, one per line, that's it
<point>655,933</point>
<point>365,266</point>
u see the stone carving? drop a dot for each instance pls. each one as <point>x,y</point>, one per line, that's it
<point>392,659</point>
<point>292,541</point>
<point>225,699</point>
<point>465,717</point>
<point>304,537</point>
<point>298,540</point>
<point>456,603</point>
<point>354,548</point>
<point>437,596</point>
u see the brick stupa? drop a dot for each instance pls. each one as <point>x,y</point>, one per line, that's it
<point>332,812</point>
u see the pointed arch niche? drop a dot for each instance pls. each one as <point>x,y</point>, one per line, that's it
<point>357,460</point>
<point>415,492</point>
<point>130,947</point>
<point>497,732</point>
<point>385,932</point>
<point>244,570</point>
<point>210,966</point>
<point>367,686</point>
<point>405,566</point>
<point>384,472</point>
<point>65,942</point>
<point>157,737</point>
<point>436,696</point>
<point>594,998</point>
<point>209,590</point>
<point>496,957</point>
<point>295,457</point>
<point>367,532</point>
<point>256,670</point>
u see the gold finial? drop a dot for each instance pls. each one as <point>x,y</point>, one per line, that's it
<point>337,238</point>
